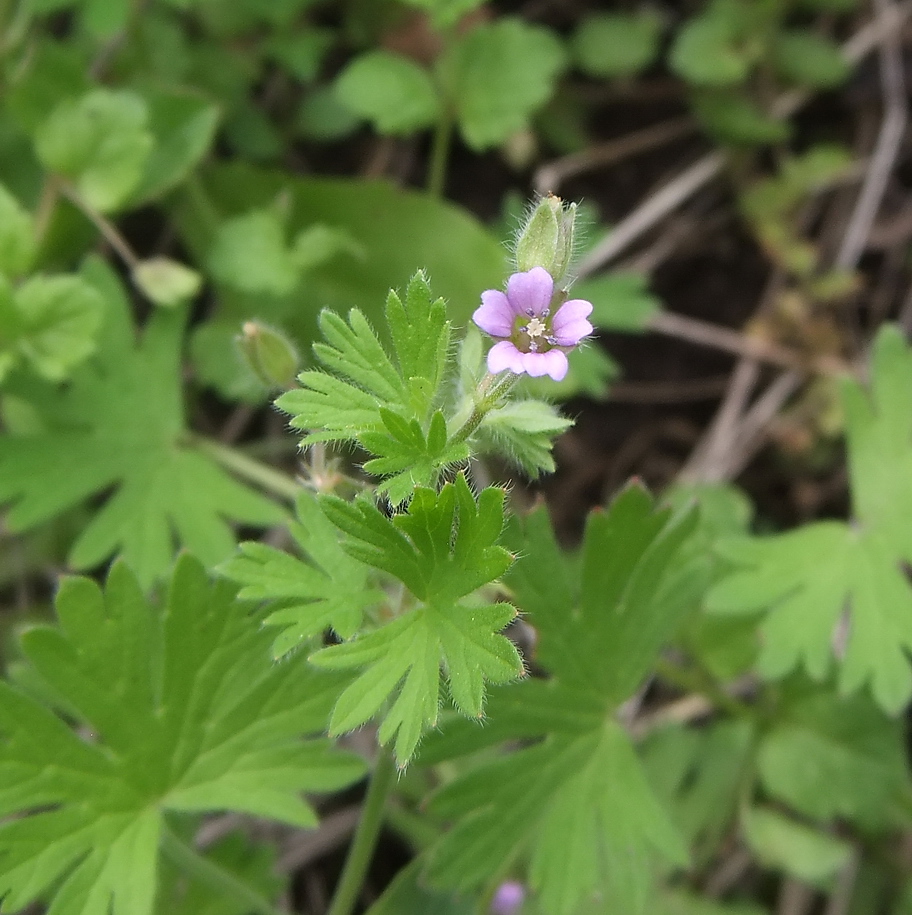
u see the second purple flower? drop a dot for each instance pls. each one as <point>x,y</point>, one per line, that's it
<point>535,325</point>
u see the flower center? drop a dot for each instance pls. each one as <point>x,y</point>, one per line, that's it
<point>532,333</point>
<point>536,328</point>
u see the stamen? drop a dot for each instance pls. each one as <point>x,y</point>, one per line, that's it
<point>536,327</point>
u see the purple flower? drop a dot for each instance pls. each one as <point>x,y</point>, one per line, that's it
<point>508,898</point>
<point>536,325</point>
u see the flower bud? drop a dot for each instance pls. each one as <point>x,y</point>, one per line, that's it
<point>269,353</point>
<point>546,240</point>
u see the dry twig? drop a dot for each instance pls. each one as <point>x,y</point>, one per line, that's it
<point>698,175</point>
<point>552,174</point>
<point>889,139</point>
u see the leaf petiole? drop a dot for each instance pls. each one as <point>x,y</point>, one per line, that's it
<point>193,864</point>
<point>362,848</point>
<point>270,479</point>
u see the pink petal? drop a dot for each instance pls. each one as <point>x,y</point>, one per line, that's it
<point>530,292</point>
<point>570,311</point>
<point>495,316</point>
<point>571,334</point>
<point>504,355</point>
<point>553,363</point>
<point>570,324</point>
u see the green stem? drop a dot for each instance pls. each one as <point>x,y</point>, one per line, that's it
<point>237,462</point>
<point>693,680</point>
<point>108,230</point>
<point>440,153</point>
<point>193,864</point>
<point>490,390</point>
<point>362,848</point>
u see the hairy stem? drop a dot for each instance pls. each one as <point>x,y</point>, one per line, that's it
<point>440,153</point>
<point>490,389</point>
<point>194,865</point>
<point>270,479</point>
<point>362,848</point>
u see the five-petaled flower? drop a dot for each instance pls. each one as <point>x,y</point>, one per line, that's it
<point>535,325</point>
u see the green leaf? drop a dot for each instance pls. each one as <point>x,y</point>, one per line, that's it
<point>699,773</point>
<point>183,129</point>
<point>830,588</point>
<point>497,76</point>
<point>809,59</point>
<point>631,598</point>
<point>576,803</point>
<point>879,438</point>
<point>784,844</point>
<point>383,405</point>
<point>407,895</point>
<point>187,714</point>
<point>254,864</point>
<point>442,550</point>
<point>445,13</point>
<point>302,53</point>
<point>408,457</point>
<point>322,116</point>
<point>396,232</point>
<point>251,253</point>
<point>732,118</point>
<point>524,431</point>
<point>101,141</point>
<point>804,579</point>
<point>830,757</point>
<point>120,426</point>
<point>678,902</point>
<point>166,282</point>
<point>812,171</point>
<point>616,44</point>
<point>828,6</point>
<point>56,72</point>
<point>391,91</point>
<point>17,236</point>
<point>326,588</point>
<point>49,322</point>
<point>707,52</point>
<point>104,18</point>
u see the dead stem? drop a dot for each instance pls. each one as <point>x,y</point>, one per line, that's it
<point>550,176</point>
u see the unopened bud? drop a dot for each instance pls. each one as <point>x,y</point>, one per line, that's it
<point>546,240</point>
<point>269,353</point>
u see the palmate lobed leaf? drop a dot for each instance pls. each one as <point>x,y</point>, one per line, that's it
<point>830,757</point>
<point>805,580</point>
<point>326,588</point>
<point>443,549</point>
<point>185,712</point>
<point>832,592</point>
<point>385,405</point>
<point>120,426</point>
<point>579,806</point>
<point>577,802</point>
<point>49,323</point>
